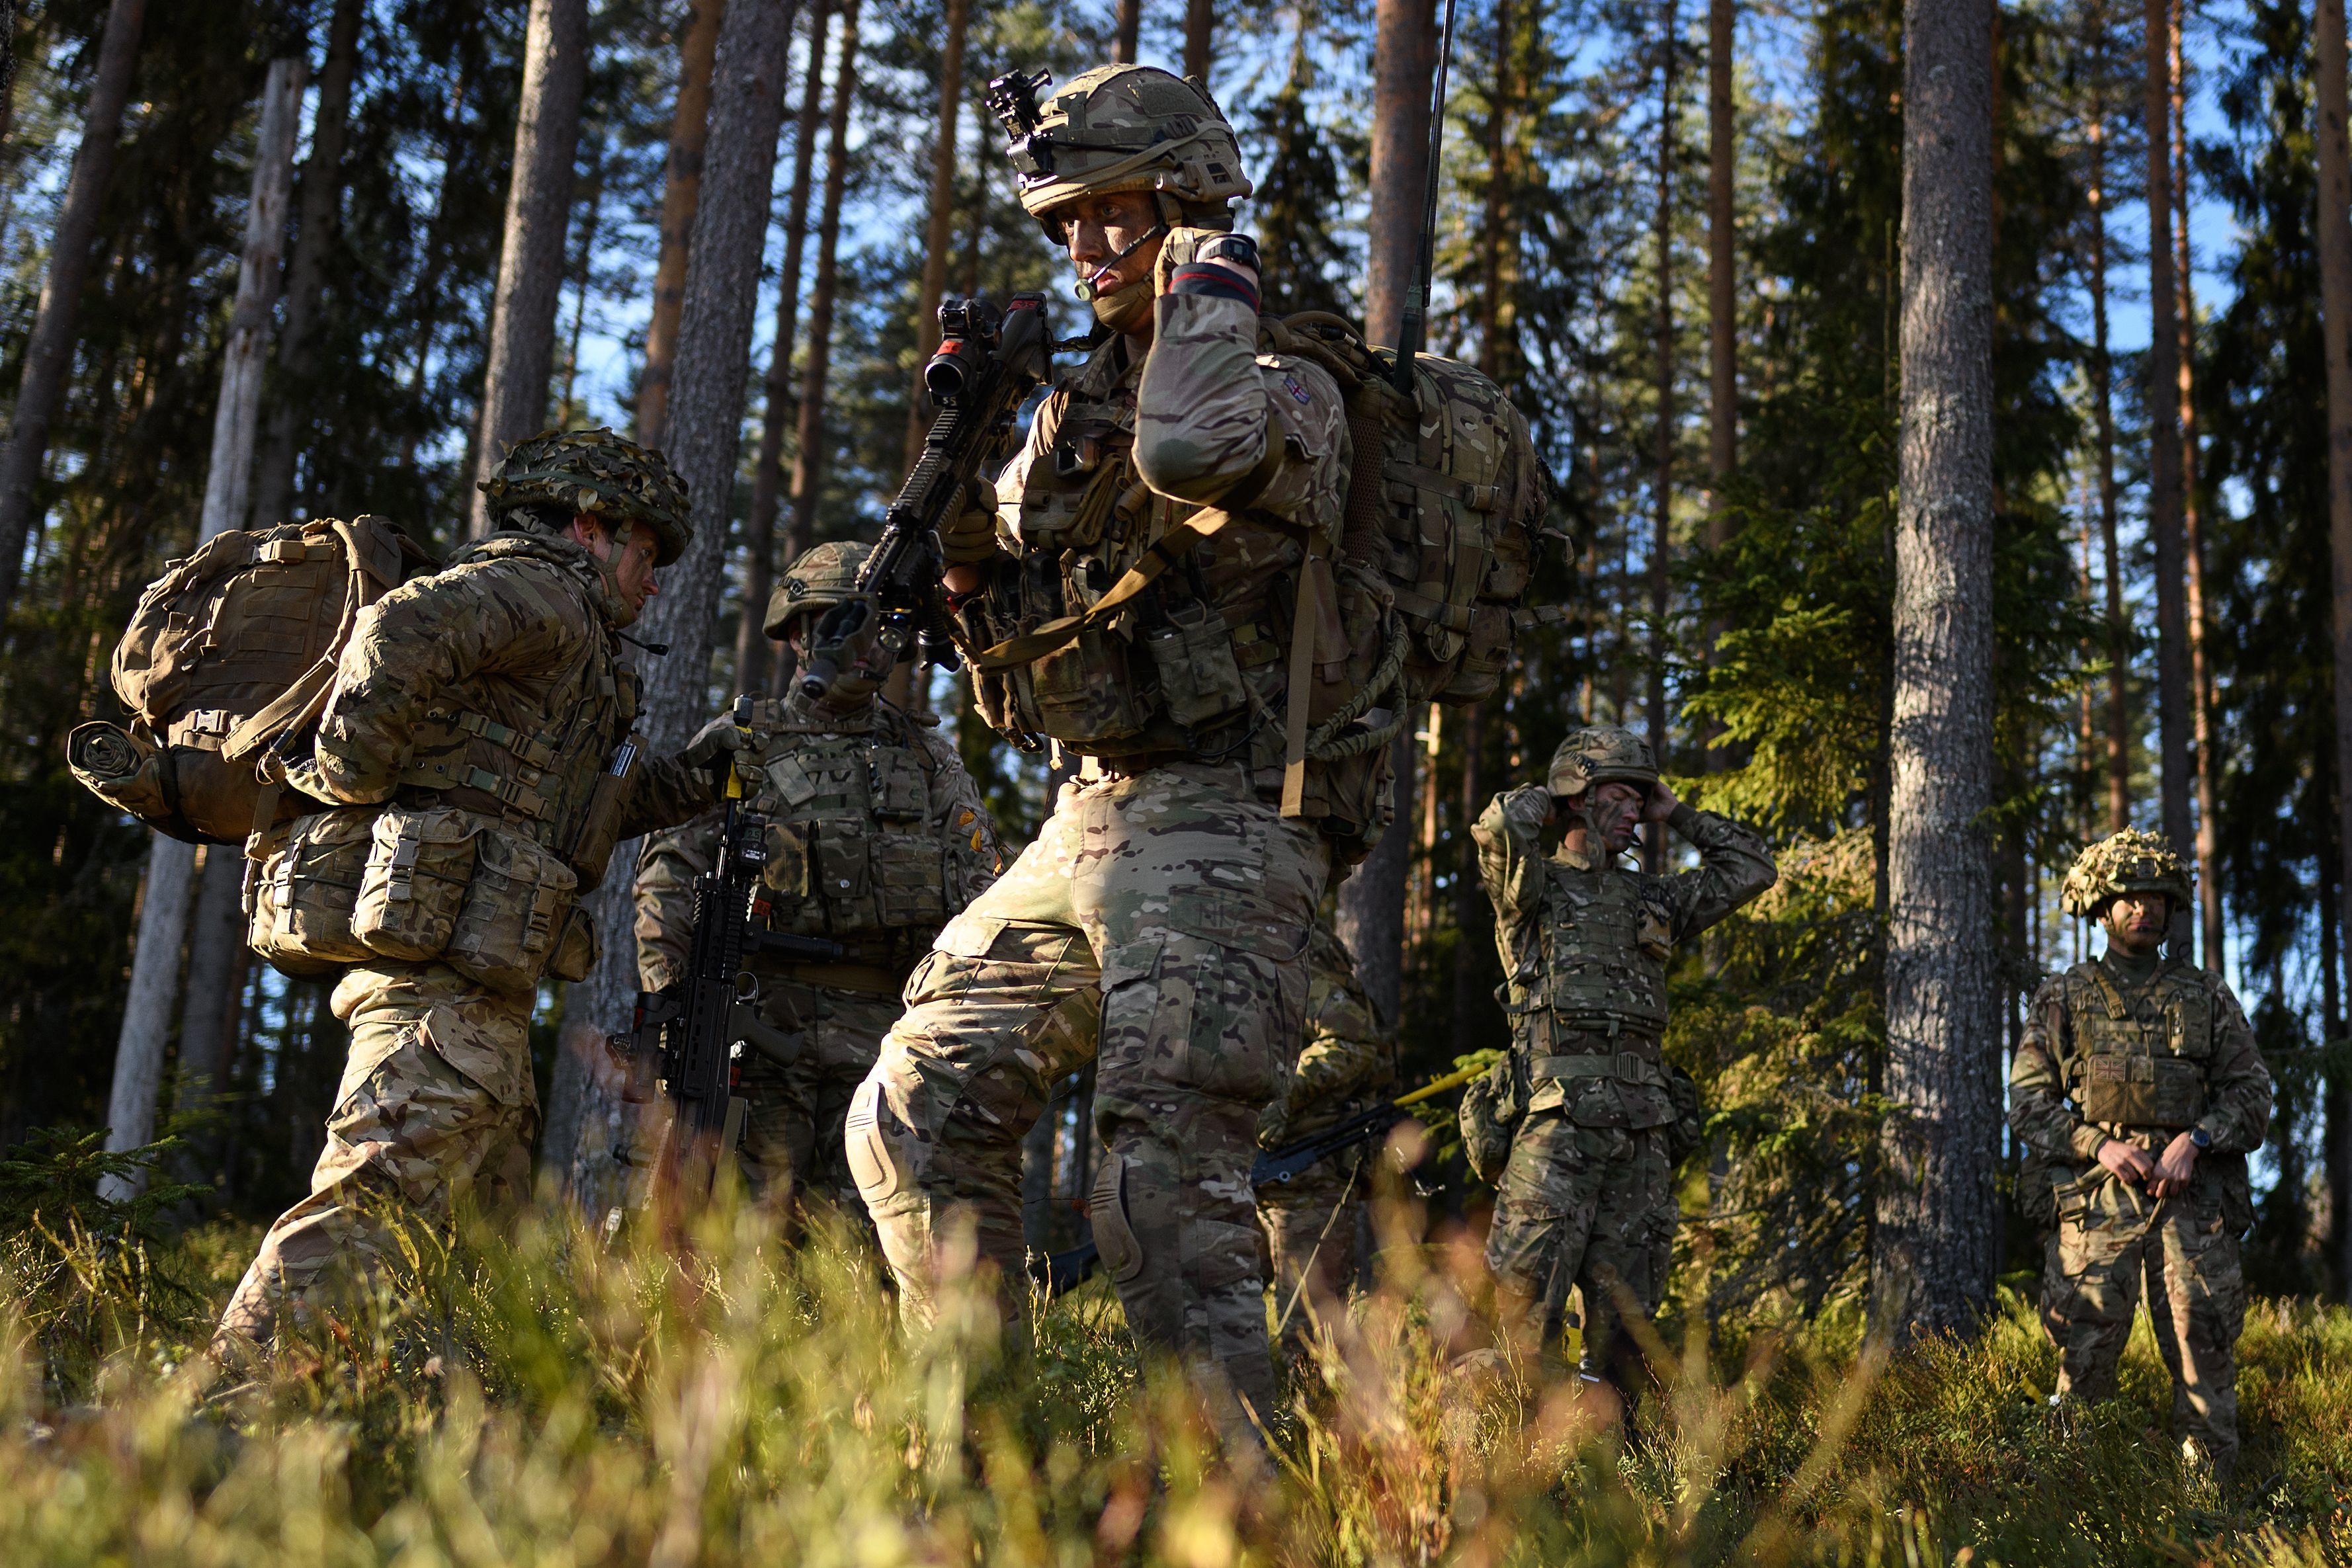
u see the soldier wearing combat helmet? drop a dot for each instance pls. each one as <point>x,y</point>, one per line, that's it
<point>474,766</point>
<point>2138,1093</point>
<point>1180,874</point>
<point>876,835</point>
<point>1596,1119</point>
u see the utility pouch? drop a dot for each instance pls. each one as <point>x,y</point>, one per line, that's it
<point>577,949</point>
<point>1199,680</point>
<point>600,824</point>
<point>1084,694</point>
<point>519,902</point>
<point>2133,1090</point>
<point>1491,1110</point>
<point>302,882</point>
<point>417,869</point>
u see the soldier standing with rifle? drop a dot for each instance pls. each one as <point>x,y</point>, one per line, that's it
<point>2138,1093</point>
<point>476,758</point>
<point>1592,1117</point>
<point>1169,879</point>
<point>874,835</point>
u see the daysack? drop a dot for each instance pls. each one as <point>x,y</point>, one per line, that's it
<point>1446,502</point>
<point>230,650</point>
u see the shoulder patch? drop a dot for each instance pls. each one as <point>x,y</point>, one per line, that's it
<point>1290,384</point>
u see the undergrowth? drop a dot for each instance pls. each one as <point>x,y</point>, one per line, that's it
<point>552,1398</point>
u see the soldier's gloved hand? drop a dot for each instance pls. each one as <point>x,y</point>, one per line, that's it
<point>714,746</point>
<point>1527,807</point>
<point>1273,1125</point>
<point>969,537</point>
<point>1213,255</point>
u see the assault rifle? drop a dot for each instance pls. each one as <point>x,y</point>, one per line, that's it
<point>688,1036</point>
<point>989,361</point>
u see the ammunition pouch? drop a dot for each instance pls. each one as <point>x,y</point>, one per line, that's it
<point>2135,1090</point>
<point>519,911</point>
<point>1492,1109</point>
<point>302,885</point>
<point>592,844</point>
<point>415,883</point>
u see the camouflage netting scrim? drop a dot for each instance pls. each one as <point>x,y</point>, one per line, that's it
<point>601,473</point>
<point>2126,861</point>
<point>1600,754</point>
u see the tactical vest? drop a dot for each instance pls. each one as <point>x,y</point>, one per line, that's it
<point>850,850</point>
<point>1173,676</point>
<point>1605,946</point>
<point>2141,1054</point>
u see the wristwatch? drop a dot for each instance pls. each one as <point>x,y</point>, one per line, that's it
<point>1239,249</point>
<point>2200,1137</point>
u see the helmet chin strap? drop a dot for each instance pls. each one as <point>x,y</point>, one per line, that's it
<point>608,567</point>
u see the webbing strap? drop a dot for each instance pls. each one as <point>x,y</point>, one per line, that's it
<point>1626,1066</point>
<point>1306,616</point>
<point>2114,997</point>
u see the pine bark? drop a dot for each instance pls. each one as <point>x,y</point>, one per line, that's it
<point>1722,312</point>
<point>521,358</point>
<point>138,1047</point>
<point>689,131</point>
<point>1662,479</point>
<point>1200,26</point>
<point>2164,520</point>
<point>809,447</point>
<point>48,353</point>
<point>2213,944</point>
<point>705,418</point>
<point>939,230</point>
<point>315,224</point>
<point>2336,311</point>
<point>1936,1234</point>
<point>2119,629</point>
<point>754,649</point>
<point>1129,23</point>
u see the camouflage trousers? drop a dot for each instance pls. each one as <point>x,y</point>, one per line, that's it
<point>1592,1207</point>
<point>436,1104</point>
<point>1178,903</point>
<point>2111,1239</point>
<point>1310,1224</point>
<point>792,1131</point>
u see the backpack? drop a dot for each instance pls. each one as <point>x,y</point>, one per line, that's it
<point>1446,502</point>
<point>229,653</point>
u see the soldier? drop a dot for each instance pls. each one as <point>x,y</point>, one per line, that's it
<point>472,744</point>
<point>1586,1197</point>
<point>1173,873</point>
<point>2139,1085</point>
<point>1347,1065</point>
<point>876,835</point>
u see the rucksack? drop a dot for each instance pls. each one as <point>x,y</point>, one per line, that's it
<point>1446,502</point>
<point>229,652</point>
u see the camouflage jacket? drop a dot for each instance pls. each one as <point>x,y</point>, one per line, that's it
<point>1119,457</point>
<point>875,836</point>
<point>495,686</point>
<point>1348,1061</point>
<point>1584,947</point>
<point>2118,1050</point>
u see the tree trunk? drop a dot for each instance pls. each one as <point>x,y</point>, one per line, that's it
<point>2335,310</point>
<point>1129,23</point>
<point>937,235</point>
<point>705,437</point>
<point>1662,481</point>
<point>1933,1253</point>
<point>521,357</point>
<point>689,127</point>
<point>2104,418</point>
<point>314,234</point>
<point>753,648</point>
<point>171,865</point>
<point>808,454</point>
<point>1722,311</point>
<point>2164,524</point>
<point>2212,947</point>
<point>1404,64</point>
<point>1200,23</point>
<point>48,353</point>
<point>592,219</point>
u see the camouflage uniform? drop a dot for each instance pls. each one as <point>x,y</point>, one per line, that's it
<point>1586,1197</point>
<point>2139,1049</point>
<point>1173,883</point>
<point>471,730</point>
<point>1347,1065</point>
<point>875,835</point>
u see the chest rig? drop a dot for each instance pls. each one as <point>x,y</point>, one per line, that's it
<point>1605,944</point>
<point>2141,1054</point>
<point>850,853</point>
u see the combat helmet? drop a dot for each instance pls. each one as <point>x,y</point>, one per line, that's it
<point>2126,862</point>
<point>1121,128</point>
<point>1600,754</point>
<point>818,579</point>
<point>601,473</point>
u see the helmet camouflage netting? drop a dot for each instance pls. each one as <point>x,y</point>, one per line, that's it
<point>2127,861</point>
<point>1600,754</point>
<point>600,472</point>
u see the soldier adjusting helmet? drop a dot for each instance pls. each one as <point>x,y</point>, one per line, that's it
<point>2126,861</point>
<point>599,472</point>
<point>1600,754</point>
<point>1121,128</point>
<point>818,579</point>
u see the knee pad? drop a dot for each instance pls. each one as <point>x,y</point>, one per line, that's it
<point>880,1147</point>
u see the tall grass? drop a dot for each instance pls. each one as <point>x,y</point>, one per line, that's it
<point>549,1398</point>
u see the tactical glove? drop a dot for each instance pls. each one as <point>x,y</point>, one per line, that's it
<point>1273,1125</point>
<point>969,537</point>
<point>713,745</point>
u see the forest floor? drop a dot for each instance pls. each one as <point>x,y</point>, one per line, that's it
<point>553,1398</point>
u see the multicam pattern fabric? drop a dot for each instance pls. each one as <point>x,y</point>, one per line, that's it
<point>2119,1036</point>
<point>1600,754</point>
<point>1591,1208</point>
<point>1129,128</point>
<point>436,1107</point>
<point>599,472</point>
<point>1178,903</point>
<point>872,798</point>
<point>818,579</point>
<point>2128,861</point>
